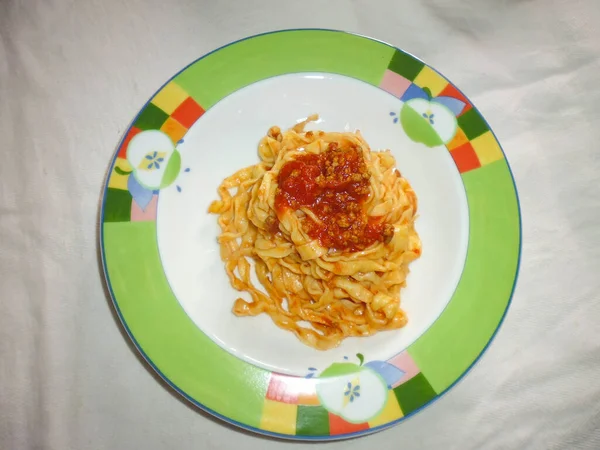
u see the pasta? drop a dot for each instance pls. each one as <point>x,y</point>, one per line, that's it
<point>329,227</point>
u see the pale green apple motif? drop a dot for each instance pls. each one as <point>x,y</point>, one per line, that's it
<point>154,159</point>
<point>428,122</point>
<point>354,392</point>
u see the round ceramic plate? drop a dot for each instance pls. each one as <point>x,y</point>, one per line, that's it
<point>161,258</point>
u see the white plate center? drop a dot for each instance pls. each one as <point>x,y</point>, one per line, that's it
<point>225,140</point>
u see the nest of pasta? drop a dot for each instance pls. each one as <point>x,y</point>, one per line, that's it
<point>329,227</point>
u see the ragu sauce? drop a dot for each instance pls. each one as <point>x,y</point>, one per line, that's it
<point>334,185</point>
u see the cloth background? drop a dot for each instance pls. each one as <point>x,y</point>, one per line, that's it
<point>74,73</point>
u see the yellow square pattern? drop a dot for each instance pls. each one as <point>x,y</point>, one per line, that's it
<point>432,80</point>
<point>487,148</point>
<point>174,129</point>
<point>279,417</point>
<point>169,98</point>
<point>391,411</point>
<point>459,139</point>
<point>117,181</point>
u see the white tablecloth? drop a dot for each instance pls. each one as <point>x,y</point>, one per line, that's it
<point>74,73</point>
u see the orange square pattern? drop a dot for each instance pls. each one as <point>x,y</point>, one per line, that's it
<point>174,129</point>
<point>337,425</point>
<point>460,138</point>
<point>465,158</point>
<point>188,112</point>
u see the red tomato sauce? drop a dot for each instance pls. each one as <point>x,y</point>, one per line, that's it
<point>333,186</point>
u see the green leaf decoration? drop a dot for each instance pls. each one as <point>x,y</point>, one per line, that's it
<point>361,358</point>
<point>121,171</point>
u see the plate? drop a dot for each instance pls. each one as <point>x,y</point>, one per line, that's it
<point>168,284</point>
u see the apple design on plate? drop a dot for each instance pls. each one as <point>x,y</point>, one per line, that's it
<point>354,392</point>
<point>154,159</point>
<point>155,164</point>
<point>428,122</point>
